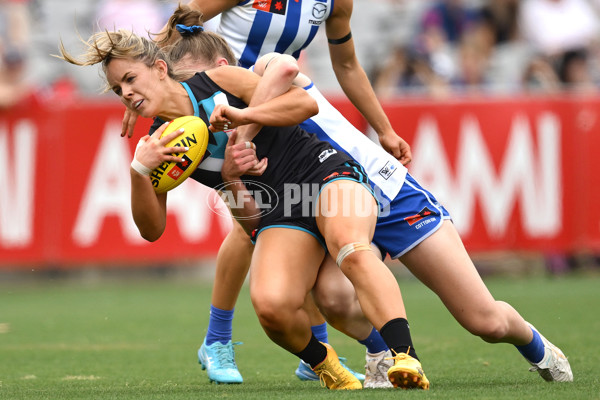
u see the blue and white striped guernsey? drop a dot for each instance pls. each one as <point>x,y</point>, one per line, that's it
<point>386,174</point>
<point>256,27</point>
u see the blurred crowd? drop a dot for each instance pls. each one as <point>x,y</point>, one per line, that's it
<point>407,47</point>
<point>30,33</point>
<point>453,47</point>
<point>496,46</point>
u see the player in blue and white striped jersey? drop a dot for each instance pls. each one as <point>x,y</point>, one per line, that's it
<point>254,28</point>
<point>415,228</point>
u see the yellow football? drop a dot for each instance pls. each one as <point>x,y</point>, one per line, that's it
<point>169,175</point>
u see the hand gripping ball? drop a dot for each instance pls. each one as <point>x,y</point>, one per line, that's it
<point>169,175</point>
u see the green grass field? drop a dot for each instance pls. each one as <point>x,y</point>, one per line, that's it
<point>138,340</point>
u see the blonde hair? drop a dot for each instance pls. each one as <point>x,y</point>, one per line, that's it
<point>103,47</point>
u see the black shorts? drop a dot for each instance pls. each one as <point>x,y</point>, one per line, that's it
<point>296,205</point>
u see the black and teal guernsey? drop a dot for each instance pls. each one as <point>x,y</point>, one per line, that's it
<point>299,164</point>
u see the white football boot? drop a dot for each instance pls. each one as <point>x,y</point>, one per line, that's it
<point>376,370</point>
<point>554,366</point>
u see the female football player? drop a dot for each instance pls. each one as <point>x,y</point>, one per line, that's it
<point>252,29</point>
<point>290,242</point>
<point>475,309</point>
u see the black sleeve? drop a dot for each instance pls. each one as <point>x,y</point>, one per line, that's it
<point>155,125</point>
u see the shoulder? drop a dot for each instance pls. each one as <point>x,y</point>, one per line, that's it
<point>238,81</point>
<point>342,9</point>
<point>338,23</point>
<point>229,72</point>
<point>212,8</point>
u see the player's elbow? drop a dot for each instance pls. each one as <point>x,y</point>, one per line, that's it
<point>150,236</point>
<point>313,108</point>
<point>150,232</point>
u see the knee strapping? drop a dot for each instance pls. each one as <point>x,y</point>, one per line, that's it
<point>351,248</point>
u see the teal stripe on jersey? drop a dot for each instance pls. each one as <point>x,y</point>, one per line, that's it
<point>208,105</point>
<point>216,150</point>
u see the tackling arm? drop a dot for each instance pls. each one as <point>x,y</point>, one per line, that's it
<point>291,108</point>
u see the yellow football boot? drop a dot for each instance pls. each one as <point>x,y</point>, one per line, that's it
<point>407,373</point>
<point>333,375</point>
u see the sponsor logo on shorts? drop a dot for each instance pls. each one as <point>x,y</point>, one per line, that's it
<point>424,213</point>
<point>326,154</point>
<point>387,170</point>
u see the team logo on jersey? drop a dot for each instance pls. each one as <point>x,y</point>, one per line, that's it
<point>413,219</point>
<point>325,154</point>
<point>271,6</point>
<point>387,170</point>
<point>178,169</point>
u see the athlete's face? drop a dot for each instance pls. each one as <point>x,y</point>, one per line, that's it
<point>138,86</point>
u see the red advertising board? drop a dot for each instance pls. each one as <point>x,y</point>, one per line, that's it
<point>65,194</point>
<point>516,174</point>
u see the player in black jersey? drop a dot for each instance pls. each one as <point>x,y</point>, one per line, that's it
<point>287,255</point>
<point>287,252</point>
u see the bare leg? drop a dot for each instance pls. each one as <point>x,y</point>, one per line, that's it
<point>314,315</point>
<point>338,302</point>
<point>376,287</point>
<point>233,262</point>
<point>347,221</point>
<point>216,354</point>
<point>280,278</point>
<point>442,263</point>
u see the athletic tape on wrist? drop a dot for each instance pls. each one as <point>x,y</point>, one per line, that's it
<point>349,249</point>
<point>140,168</point>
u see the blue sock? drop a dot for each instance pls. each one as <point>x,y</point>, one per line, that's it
<point>219,326</point>
<point>533,351</point>
<point>374,342</point>
<point>320,332</point>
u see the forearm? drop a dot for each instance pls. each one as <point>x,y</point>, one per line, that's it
<point>211,8</point>
<point>277,72</point>
<point>291,108</point>
<point>148,208</point>
<point>355,84</point>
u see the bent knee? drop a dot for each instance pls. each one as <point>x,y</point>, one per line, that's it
<point>490,326</point>
<point>272,310</point>
<point>358,264</point>
<point>337,306</point>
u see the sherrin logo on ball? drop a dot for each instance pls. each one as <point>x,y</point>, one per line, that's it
<point>169,175</point>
